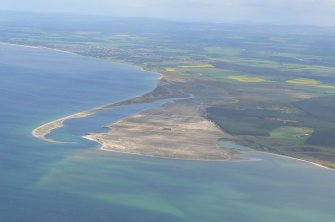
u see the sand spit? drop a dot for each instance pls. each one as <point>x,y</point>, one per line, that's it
<point>42,131</point>
<point>161,92</point>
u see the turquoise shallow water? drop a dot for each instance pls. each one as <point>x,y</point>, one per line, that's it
<point>40,181</point>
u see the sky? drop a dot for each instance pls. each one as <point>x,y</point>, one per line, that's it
<point>311,12</point>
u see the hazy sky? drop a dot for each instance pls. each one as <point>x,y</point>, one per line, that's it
<point>320,12</point>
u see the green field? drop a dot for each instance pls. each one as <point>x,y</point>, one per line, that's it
<point>291,135</point>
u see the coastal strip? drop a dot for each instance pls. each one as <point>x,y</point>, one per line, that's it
<point>37,47</point>
<point>94,138</point>
<point>297,159</point>
<point>91,137</point>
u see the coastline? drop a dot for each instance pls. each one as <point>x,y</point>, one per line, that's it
<point>175,131</point>
<point>37,47</point>
<point>42,131</point>
<point>91,138</point>
<point>297,159</point>
<point>160,75</point>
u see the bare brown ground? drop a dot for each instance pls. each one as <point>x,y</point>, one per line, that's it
<point>175,131</point>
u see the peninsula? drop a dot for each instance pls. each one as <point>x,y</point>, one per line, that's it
<point>270,91</point>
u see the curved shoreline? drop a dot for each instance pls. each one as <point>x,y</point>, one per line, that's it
<point>74,53</point>
<point>43,130</point>
<point>91,138</point>
<point>297,159</point>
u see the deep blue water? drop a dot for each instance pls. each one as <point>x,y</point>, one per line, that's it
<point>41,181</point>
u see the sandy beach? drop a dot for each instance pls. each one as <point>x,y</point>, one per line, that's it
<point>175,131</point>
<point>301,160</point>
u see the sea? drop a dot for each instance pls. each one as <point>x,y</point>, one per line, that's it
<point>77,182</point>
